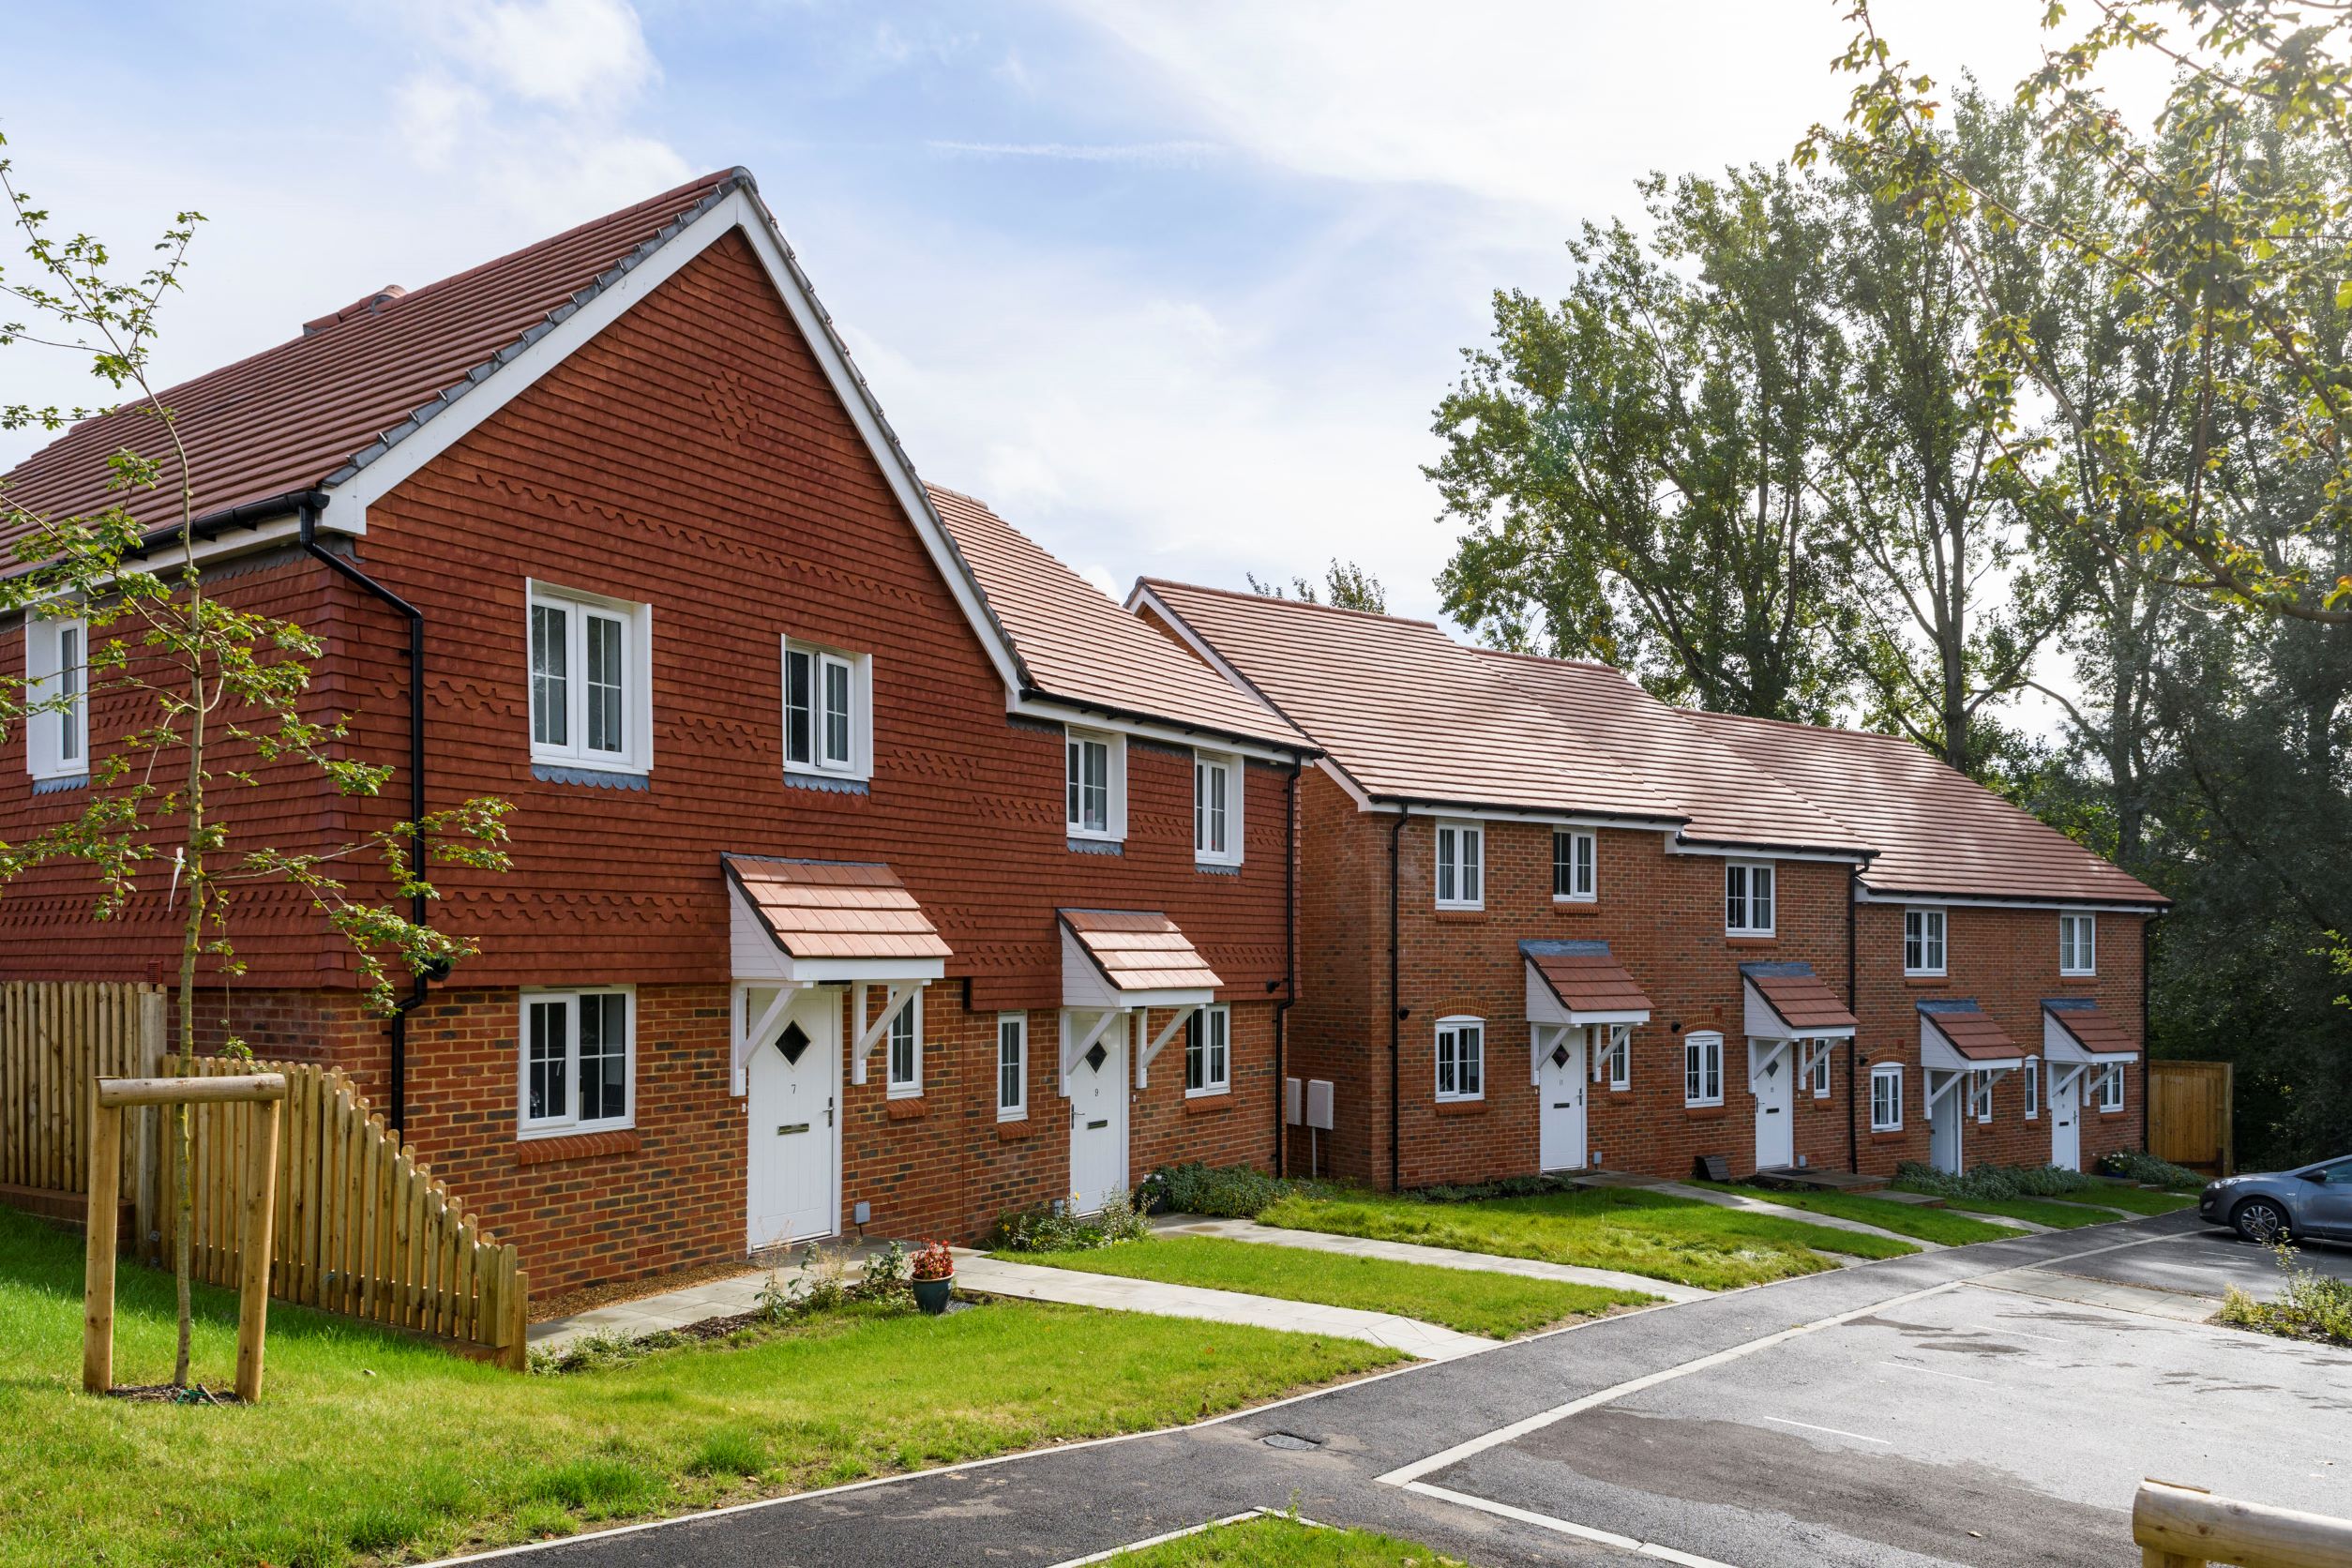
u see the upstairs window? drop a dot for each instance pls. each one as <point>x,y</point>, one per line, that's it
<point>1702,1069</point>
<point>1208,1051</point>
<point>1571,864</point>
<point>1923,941</point>
<point>1094,784</point>
<point>1216,808</point>
<point>1886,1098</point>
<point>1461,1059</point>
<point>1011,1066</point>
<point>578,1062</point>
<point>56,675</point>
<point>1461,865</point>
<point>2078,944</point>
<point>905,1049</point>
<point>1747,898</point>
<point>589,668</point>
<point>828,698</point>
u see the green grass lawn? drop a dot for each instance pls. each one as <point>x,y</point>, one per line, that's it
<point>2041,1211</point>
<point>1908,1219</point>
<point>1269,1542</point>
<point>1495,1304</point>
<point>1655,1234</point>
<point>2138,1200</point>
<point>369,1445</point>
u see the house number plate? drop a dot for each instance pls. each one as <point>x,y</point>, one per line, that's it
<point>791,1128</point>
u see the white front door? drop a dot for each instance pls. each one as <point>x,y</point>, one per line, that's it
<point>2066,1119</point>
<point>1559,1080</point>
<point>1943,1119</point>
<point>1098,1113</point>
<point>1772,1078</point>
<point>793,1086</point>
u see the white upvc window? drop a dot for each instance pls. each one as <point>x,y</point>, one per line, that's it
<point>1208,1051</point>
<point>1461,865</point>
<point>1461,1059</point>
<point>57,671</point>
<point>591,703</point>
<point>828,711</point>
<point>1617,1055</point>
<point>1747,898</point>
<point>1216,808</point>
<point>578,1060</point>
<point>1981,1096</point>
<point>1923,941</point>
<point>2078,944</point>
<point>1095,776</point>
<point>2032,1078</point>
<point>1886,1097</point>
<point>1822,1051</point>
<point>1702,1068</point>
<point>1011,1066</point>
<point>2109,1088</point>
<point>1572,864</point>
<point>905,1054</point>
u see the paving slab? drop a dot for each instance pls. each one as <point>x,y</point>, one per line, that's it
<point>982,1275</point>
<point>1438,1257</point>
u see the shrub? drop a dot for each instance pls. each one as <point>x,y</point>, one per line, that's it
<point>2134,1165</point>
<point>1508,1186</point>
<point>2313,1307</point>
<point>1053,1227</point>
<point>1994,1180</point>
<point>1219,1191</point>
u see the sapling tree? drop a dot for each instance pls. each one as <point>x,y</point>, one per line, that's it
<point>200,695</point>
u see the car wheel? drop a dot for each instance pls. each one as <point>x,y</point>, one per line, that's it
<point>2260,1221</point>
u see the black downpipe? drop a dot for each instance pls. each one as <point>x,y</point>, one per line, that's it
<point>2147,1035</point>
<point>1289,971</point>
<point>1395,1002</point>
<point>1853,1042</point>
<point>416,617</point>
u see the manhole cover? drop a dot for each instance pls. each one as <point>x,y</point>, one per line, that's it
<point>1289,1440</point>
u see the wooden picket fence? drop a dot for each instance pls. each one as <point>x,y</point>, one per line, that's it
<point>363,1229</point>
<point>55,1037</point>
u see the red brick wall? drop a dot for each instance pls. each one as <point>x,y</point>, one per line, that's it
<point>2006,960</point>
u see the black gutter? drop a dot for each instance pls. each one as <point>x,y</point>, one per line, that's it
<point>1289,970</point>
<point>310,503</point>
<point>1395,1007</point>
<point>1853,1041</point>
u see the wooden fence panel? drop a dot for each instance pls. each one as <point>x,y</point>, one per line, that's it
<point>55,1038</point>
<point>2190,1109</point>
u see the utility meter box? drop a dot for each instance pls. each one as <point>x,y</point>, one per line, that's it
<point>1318,1102</point>
<point>1293,1103</point>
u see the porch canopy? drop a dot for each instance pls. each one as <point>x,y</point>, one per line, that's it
<point>1119,962</point>
<point>793,924</point>
<point>1577,982</point>
<point>1789,1002</point>
<point>2077,1033</point>
<point>1955,1035</point>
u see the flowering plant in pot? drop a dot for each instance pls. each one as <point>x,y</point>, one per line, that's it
<point>933,1272</point>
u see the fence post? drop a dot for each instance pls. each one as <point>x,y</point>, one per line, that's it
<point>98,1285</point>
<point>253,1249</point>
<point>146,1194</point>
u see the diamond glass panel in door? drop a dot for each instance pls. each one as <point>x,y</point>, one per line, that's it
<point>550,1089</point>
<point>605,711</point>
<point>550,675</point>
<point>604,1075</point>
<point>838,753</point>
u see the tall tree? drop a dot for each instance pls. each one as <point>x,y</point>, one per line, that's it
<point>1346,585</point>
<point>1639,467</point>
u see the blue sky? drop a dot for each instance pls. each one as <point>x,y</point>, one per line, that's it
<point>1174,286</point>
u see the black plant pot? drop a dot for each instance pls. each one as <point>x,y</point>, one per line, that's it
<point>931,1294</point>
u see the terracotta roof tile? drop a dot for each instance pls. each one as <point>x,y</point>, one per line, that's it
<point>1797,994</point>
<point>1971,1031</point>
<point>2096,1030</point>
<point>1080,646</point>
<point>1586,977</point>
<point>1141,950</point>
<point>828,908</point>
<point>288,417</point>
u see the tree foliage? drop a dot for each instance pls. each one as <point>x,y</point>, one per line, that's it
<point>1346,585</point>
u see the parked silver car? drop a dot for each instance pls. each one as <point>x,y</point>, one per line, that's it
<point>2314,1200</point>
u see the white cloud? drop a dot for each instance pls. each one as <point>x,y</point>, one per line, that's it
<point>564,53</point>
<point>435,116</point>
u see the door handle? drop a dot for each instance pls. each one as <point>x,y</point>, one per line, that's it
<point>791,1128</point>
<point>828,1110</point>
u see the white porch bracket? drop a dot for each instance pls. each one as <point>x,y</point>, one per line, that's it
<point>1951,1081</point>
<point>1758,1062</point>
<point>1809,1053</point>
<point>2067,1074</point>
<point>1542,1037</point>
<point>899,991</point>
<point>1075,1045</point>
<point>748,1031</point>
<point>1146,1055</point>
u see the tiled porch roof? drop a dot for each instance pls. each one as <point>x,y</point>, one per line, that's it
<point>1141,950</point>
<point>835,909</point>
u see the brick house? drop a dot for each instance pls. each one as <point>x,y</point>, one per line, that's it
<point>1694,926</point>
<point>866,861</point>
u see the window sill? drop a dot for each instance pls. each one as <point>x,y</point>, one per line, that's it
<point>825,783</point>
<point>1094,845</point>
<point>52,783</point>
<point>1751,938</point>
<point>1209,1105</point>
<point>1575,906</point>
<point>1887,1135</point>
<point>549,1149</point>
<point>592,778</point>
<point>2079,974</point>
<point>1011,1130</point>
<point>1461,914</point>
<point>906,1107</point>
<point>1461,1107</point>
<point>1927,980</point>
<point>1705,1113</point>
<point>1218,867</point>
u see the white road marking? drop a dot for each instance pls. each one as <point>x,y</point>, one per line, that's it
<point>1189,1530</point>
<point>1934,1372</point>
<point>1833,1431</point>
<point>1565,1526</point>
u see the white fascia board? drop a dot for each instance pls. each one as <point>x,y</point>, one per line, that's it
<point>347,504</point>
<point>1677,844</point>
<point>165,558</point>
<point>1864,894</point>
<point>1186,737</point>
<point>843,971</point>
<point>1353,790</point>
<point>1541,815</point>
<point>1184,999</point>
